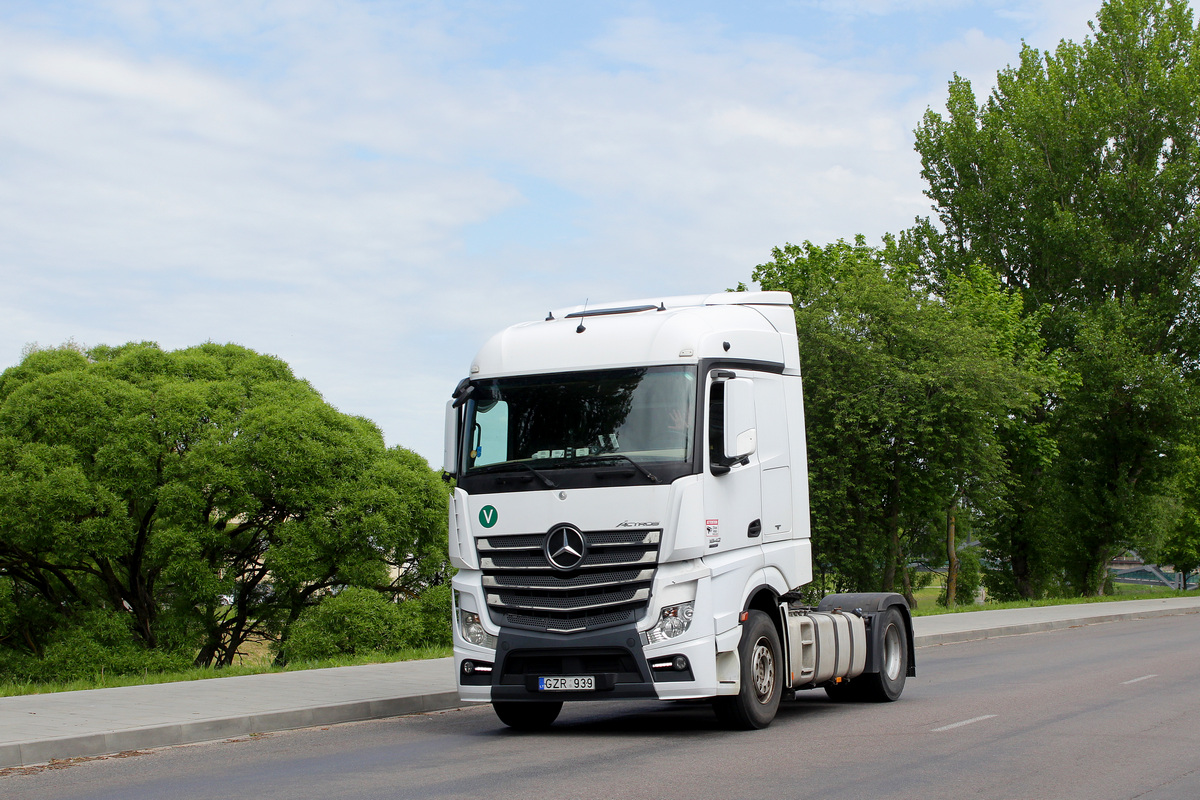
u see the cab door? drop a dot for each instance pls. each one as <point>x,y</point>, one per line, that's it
<point>732,486</point>
<point>774,458</point>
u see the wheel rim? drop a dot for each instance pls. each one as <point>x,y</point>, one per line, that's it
<point>764,670</point>
<point>892,655</point>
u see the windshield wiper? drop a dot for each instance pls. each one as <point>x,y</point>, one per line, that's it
<point>622,457</point>
<point>509,465</point>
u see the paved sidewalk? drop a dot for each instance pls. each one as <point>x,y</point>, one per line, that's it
<point>37,728</point>
<point>971,625</point>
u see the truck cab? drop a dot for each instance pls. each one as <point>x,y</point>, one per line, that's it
<point>630,515</point>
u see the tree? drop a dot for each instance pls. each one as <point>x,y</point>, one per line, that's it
<point>1077,183</point>
<point>205,494</point>
<point>1182,547</point>
<point>911,368</point>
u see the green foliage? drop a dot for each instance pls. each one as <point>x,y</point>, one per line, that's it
<point>360,620</point>
<point>912,365</point>
<point>206,496</point>
<point>1076,182</point>
<point>1120,592</point>
<point>1182,547</point>
<point>970,578</point>
<point>251,666</point>
<point>8,611</point>
<point>434,612</point>
<point>94,643</point>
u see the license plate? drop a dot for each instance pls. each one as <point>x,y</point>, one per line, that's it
<point>567,683</point>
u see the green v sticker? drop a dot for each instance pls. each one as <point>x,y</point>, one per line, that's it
<point>488,516</point>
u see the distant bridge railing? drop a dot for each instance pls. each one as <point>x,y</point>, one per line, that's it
<point>1153,575</point>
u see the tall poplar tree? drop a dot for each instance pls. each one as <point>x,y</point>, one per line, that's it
<point>1077,182</point>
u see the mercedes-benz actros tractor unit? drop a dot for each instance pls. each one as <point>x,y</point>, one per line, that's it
<point>630,519</point>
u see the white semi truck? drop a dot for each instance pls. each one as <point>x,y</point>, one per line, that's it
<point>630,519</point>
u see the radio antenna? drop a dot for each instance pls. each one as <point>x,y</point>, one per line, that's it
<point>581,329</point>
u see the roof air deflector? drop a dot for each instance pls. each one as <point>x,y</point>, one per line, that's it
<point>600,312</point>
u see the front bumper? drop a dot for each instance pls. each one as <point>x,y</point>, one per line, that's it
<point>620,663</point>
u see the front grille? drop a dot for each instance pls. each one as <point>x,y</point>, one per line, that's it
<point>569,602</point>
<point>610,587</point>
<point>586,580</point>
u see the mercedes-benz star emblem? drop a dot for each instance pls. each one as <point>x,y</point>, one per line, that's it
<point>565,547</point>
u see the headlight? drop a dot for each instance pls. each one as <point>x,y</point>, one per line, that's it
<point>472,630</point>
<point>673,621</point>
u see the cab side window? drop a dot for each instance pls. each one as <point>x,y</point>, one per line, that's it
<point>716,423</point>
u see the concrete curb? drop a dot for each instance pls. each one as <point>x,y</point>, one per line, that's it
<point>117,741</point>
<point>955,637</point>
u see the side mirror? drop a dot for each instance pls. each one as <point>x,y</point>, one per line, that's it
<point>450,443</point>
<point>741,435</point>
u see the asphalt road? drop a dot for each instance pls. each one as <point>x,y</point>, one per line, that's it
<point>1104,711</point>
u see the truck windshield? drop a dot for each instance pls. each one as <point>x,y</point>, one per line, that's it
<point>644,414</point>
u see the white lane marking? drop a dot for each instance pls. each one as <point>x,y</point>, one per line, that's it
<point>1135,680</point>
<point>964,722</point>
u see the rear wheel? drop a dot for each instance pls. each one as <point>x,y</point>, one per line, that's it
<point>886,685</point>
<point>755,704</point>
<point>527,716</point>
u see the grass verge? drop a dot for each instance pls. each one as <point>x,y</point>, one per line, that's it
<point>105,681</point>
<point>927,600</point>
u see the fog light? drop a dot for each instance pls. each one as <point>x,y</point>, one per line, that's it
<point>674,667</point>
<point>476,667</point>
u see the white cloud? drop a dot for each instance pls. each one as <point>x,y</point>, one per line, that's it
<point>153,200</point>
<point>973,55</point>
<point>332,183</point>
<point>1050,21</point>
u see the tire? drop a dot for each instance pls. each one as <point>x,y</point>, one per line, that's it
<point>760,654</point>
<point>886,685</point>
<point>527,716</point>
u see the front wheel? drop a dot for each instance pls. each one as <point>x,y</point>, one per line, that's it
<point>755,704</point>
<point>527,716</point>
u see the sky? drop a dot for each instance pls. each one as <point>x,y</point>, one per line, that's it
<point>368,189</point>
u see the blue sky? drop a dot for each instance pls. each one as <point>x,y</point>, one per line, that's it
<point>369,189</point>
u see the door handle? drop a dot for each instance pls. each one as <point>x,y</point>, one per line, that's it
<point>755,528</point>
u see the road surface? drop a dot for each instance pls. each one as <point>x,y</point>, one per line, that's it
<point>1096,712</point>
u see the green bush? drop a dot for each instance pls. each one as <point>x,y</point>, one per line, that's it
<point>95,642</point>
<point>358,620</point>
<point>8,610</point>
<point>970,578</point>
